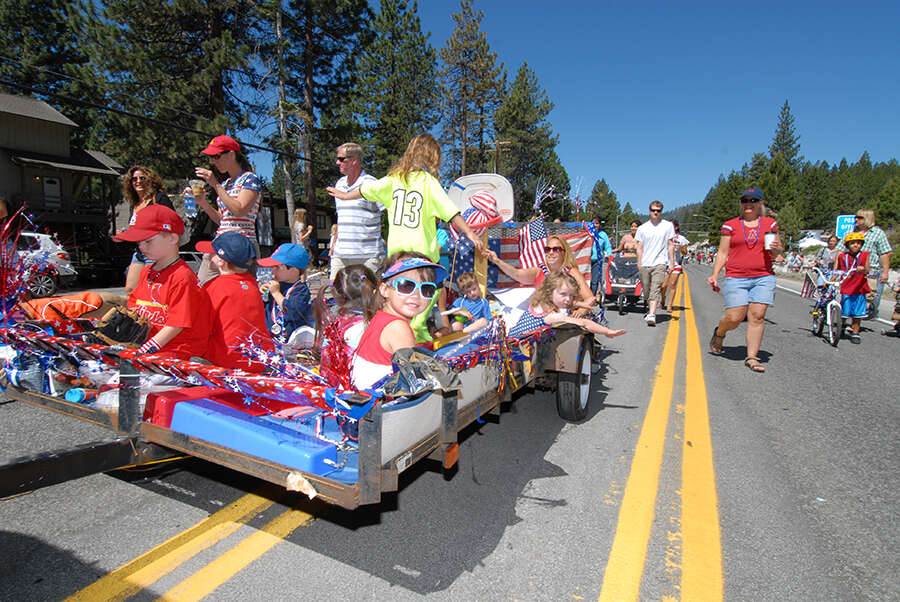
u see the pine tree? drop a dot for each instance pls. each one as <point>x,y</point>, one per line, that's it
<point>43,55</point>
<point>311,63</point>
<point>789,224</point>
<point>187,64</point>
<point>887,203</point>
<point>603,203</point>
<point>522,120</point>
<point>397,94</point>
<point>471,84</point>
<point>786,141</point>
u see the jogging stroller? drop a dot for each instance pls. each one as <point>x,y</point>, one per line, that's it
<point>623,283</point>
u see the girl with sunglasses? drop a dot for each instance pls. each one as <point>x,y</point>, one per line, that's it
<point>142,187</point>
<point>408,287</point>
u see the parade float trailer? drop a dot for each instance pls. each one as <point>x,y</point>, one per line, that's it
<point>291,426</point>
<point>300,445</point>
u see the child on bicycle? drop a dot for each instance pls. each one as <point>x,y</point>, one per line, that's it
<point>854,263</point>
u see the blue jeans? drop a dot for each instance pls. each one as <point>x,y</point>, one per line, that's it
<point>596,276</point>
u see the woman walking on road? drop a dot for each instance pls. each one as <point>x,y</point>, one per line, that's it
<point>749,283</point>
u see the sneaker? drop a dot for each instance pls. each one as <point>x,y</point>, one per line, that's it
<point>651,319</point>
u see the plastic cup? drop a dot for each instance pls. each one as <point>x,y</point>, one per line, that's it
<point>197,187</point>
<point>769,239</point>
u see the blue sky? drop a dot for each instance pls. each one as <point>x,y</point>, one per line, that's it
<point>659,98</point>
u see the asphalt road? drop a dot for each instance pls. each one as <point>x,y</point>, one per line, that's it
<point>803,475</point>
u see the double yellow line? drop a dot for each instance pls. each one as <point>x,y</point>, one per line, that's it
<point>701,562</point>
<point>147,569</point>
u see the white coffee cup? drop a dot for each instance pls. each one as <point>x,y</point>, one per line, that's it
<point>769,239</point>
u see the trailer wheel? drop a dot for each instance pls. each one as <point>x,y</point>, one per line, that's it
<point>621,303</point>
<point>574,389</point>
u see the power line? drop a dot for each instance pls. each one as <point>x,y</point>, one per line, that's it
<point>153,120</point>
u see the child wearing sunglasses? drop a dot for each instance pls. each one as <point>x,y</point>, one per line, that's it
<point>408,286</point>
<point>550,305</point>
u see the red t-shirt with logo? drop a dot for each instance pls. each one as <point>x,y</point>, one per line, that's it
<point>238,317</point>
<point>173,297</point>
<point>747,257</point>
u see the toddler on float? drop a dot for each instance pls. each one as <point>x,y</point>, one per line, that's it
<point>408,286</point>
<point>289,305</point>
<point>550,306</point>
<point>237,309</point>
<point>474,309</point>
<point>855,264</point>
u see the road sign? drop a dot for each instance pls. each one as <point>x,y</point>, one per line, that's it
<point>843,225</point>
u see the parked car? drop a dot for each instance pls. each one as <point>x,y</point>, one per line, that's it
<point>53,264</point>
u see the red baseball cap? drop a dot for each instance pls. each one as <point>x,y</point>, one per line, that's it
<point>221,144</point>
<point>150,221</point>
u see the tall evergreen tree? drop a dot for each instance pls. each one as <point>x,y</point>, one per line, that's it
<point>397,94</point>
<point>786,141</point>
<point>189,64</point>
<point>887,203</point>
<point>470,84</point>
<point>522,119</point>
<point>43,52</point>
<point>603,203</point>
<point>311,63</point>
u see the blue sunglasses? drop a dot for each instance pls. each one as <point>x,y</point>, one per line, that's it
<point>406,286</point>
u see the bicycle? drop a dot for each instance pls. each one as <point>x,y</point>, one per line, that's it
<point>826,310</point>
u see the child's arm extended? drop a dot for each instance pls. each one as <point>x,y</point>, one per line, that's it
<point>460,224</point>
<point>589,325</point>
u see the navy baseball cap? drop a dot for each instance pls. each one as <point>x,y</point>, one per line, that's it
<point>753,193</point>
<point>234,248</point>
<point>289,254</point>
<point>414,263</point>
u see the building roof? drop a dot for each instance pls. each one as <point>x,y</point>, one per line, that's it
<point>33,108</point>
<point>94,162</point>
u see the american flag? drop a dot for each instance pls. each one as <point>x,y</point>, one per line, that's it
<point>505,243</point>
<point>482,214</point>
<point>809,287</point>
<point>531,244</point>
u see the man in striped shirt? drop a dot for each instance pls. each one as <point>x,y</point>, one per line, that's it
<point>358,220</point>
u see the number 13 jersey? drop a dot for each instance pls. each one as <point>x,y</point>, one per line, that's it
<point>412,206</point>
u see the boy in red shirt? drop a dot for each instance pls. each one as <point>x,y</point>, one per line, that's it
<point>855,264</point>
<point>168,293</point>
<point>238,314</point>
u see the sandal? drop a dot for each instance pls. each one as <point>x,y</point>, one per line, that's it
<point>754,365</point>
<point>716,342</point>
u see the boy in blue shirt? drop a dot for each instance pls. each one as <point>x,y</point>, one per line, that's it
<point>289,305</point>
<point>472,311</point>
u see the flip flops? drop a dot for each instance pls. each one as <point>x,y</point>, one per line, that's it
<point>753,364</point>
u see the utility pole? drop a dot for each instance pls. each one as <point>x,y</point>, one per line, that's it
<point>497,145</point>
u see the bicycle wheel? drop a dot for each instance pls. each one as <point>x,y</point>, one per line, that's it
<point>835,324</point>
<point>818,322</point>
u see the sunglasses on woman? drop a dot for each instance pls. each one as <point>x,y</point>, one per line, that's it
<point>553,249</point>
<point>139,178</point>
<point>406,286</point>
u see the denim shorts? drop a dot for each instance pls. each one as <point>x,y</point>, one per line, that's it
<point>739,292</point>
